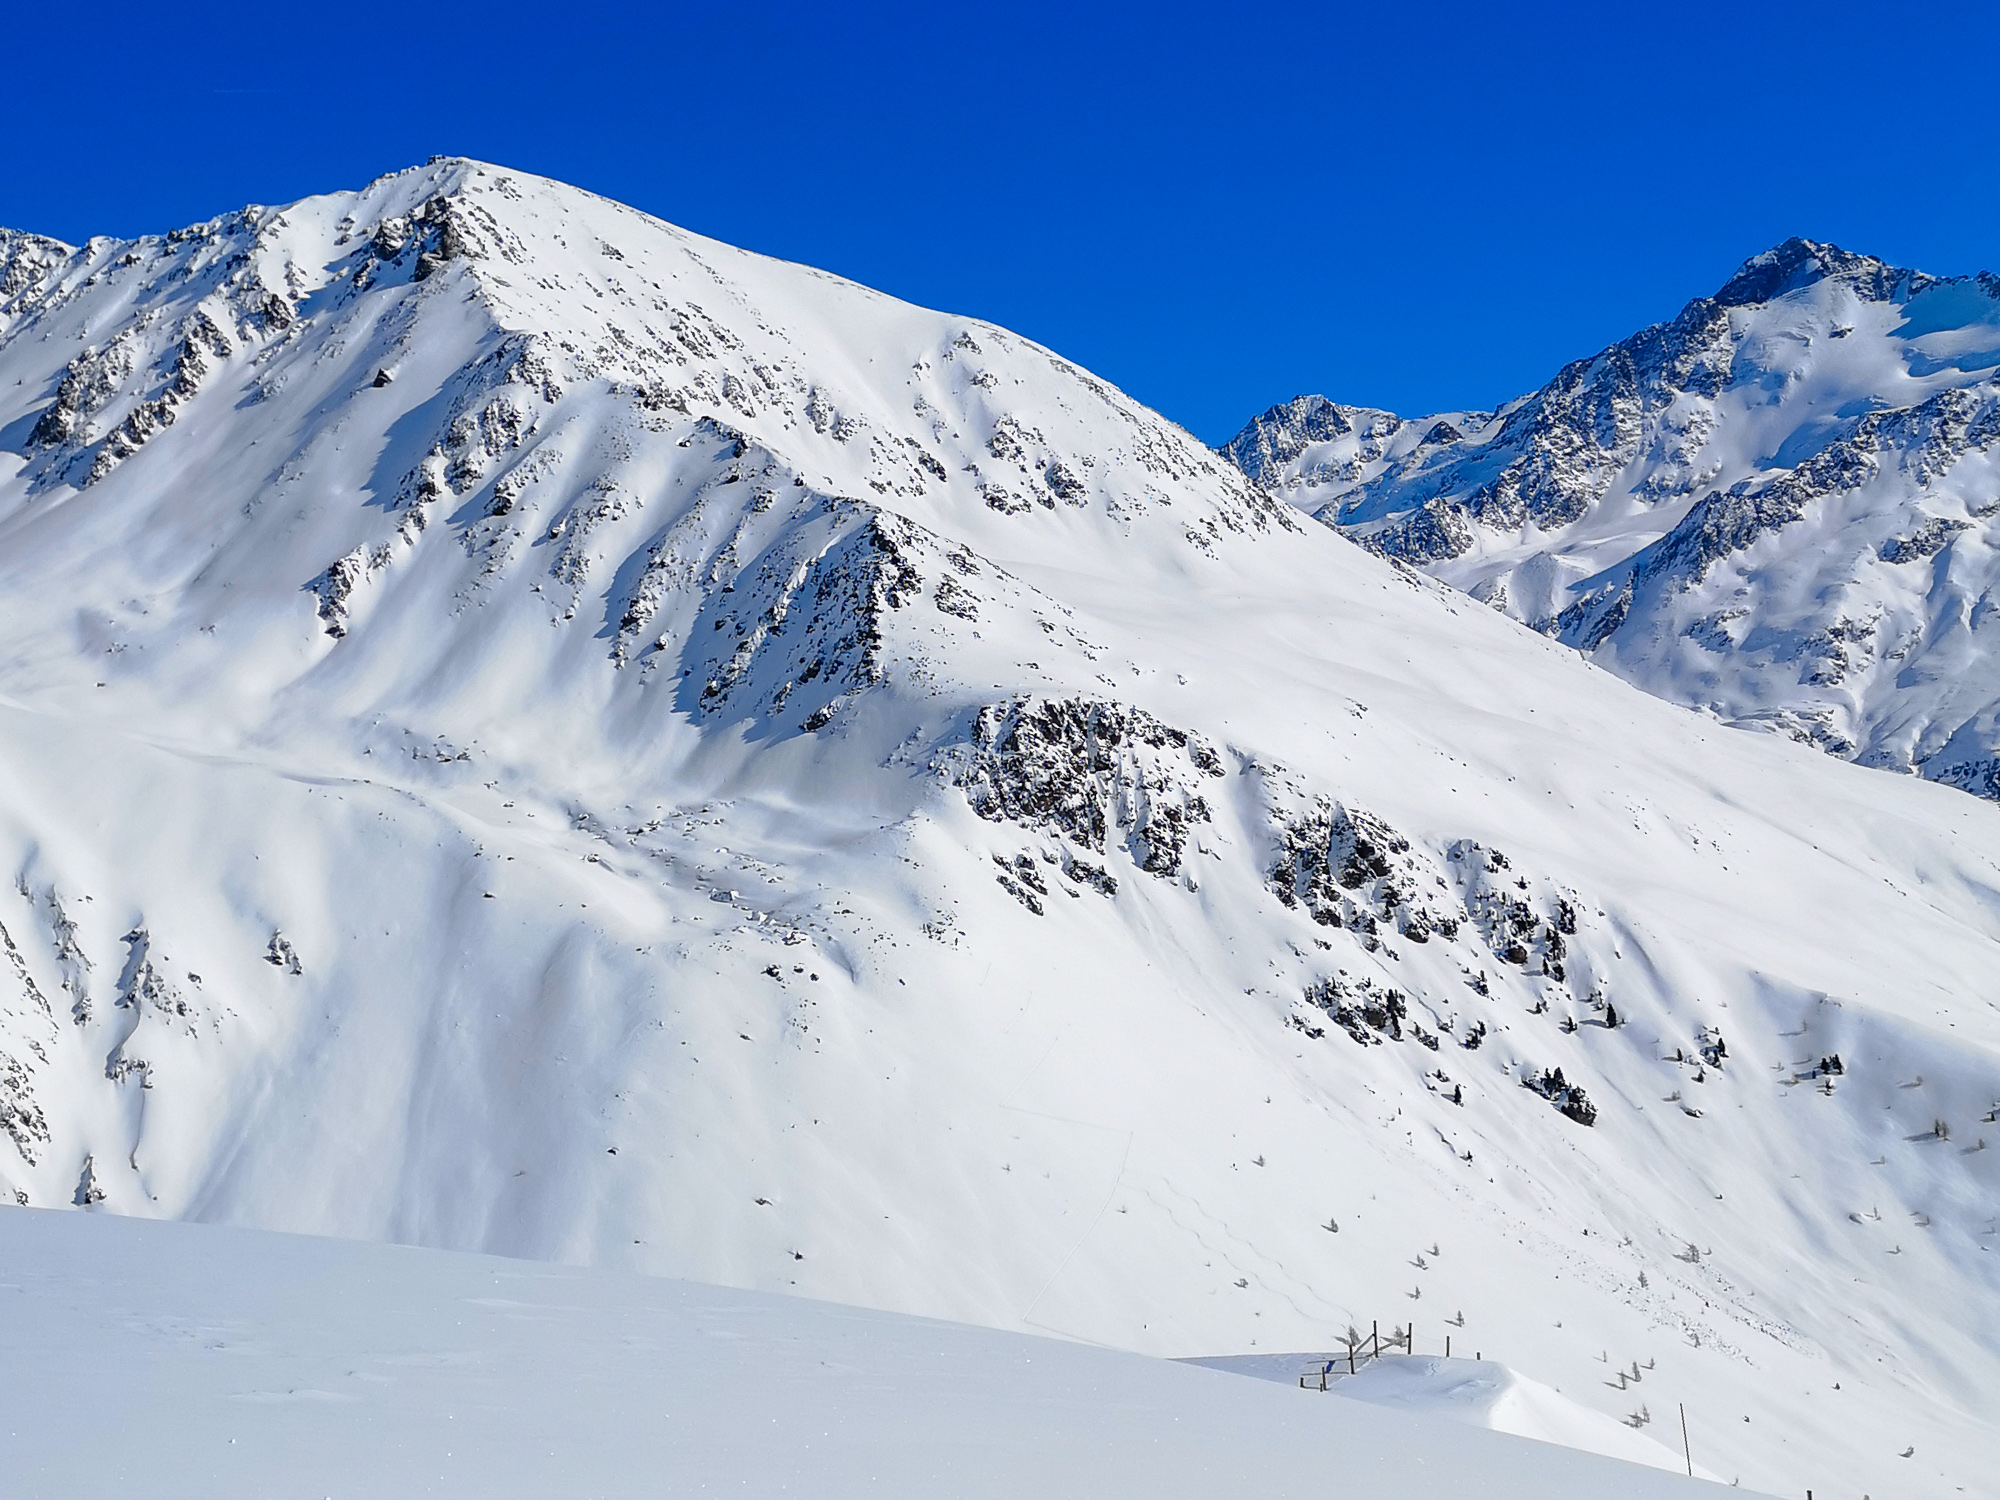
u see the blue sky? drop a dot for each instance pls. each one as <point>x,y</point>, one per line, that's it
<point>1217,207</point>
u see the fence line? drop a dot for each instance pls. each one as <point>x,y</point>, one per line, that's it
<point>1362,1351</point>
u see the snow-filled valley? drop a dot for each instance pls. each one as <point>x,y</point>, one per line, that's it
<point>1777,508</point>
<point>526,730</point>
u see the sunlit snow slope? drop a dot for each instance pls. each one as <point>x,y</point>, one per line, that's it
<point>173,1360</point>
<point>1779,507</point>
<point>528,730</point>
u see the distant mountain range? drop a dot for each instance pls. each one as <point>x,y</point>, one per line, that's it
<point>1779,507</point>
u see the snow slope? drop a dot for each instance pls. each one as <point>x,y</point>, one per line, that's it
<point>1476,1392</point>
<point>1777,507</point>
<point>1486,1394</point>
<point>181,1361</point>
<point>526,730</point>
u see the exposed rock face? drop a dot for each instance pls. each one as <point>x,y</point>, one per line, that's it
<point>1773,506</point>
<point>1092,772</point>
<point>1345,439</point>
<point>1569,1099</point>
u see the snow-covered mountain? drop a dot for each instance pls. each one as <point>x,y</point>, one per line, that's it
<point>1776,507</point>
<point>525,729</point>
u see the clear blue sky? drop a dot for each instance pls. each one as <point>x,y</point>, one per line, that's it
<point>1217,207</point>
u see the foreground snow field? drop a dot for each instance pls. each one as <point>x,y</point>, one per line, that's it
<point>526,730</point>
<point>172,1360</point>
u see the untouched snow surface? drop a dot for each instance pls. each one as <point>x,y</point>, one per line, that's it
<point>526,730</point>
<point>1778,507</point>
<point>173,1360</point>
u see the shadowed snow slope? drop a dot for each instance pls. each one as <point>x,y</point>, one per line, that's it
<point>523,729</point>
<point>1780,506</point>
<point>181,1361</point>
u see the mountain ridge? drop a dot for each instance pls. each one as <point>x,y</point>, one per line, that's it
<point>1819,424</point>
<point>575,741</point>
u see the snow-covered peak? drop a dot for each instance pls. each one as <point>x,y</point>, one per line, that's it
<point>1799,263</point>
<point>486,403</point>
<point>1772,506</point>
<point>1347,438</point>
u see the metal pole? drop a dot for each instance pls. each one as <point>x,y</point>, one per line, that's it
<point>1447,1346</point>
<point>1685,1449</point>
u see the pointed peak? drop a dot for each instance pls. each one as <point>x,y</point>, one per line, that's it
<point>1313,418</point>
<point>1280,434</point>
<point>1800,262</point>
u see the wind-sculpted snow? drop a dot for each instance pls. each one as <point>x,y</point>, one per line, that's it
<point>576,741</point>
<point>1773,507</point>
